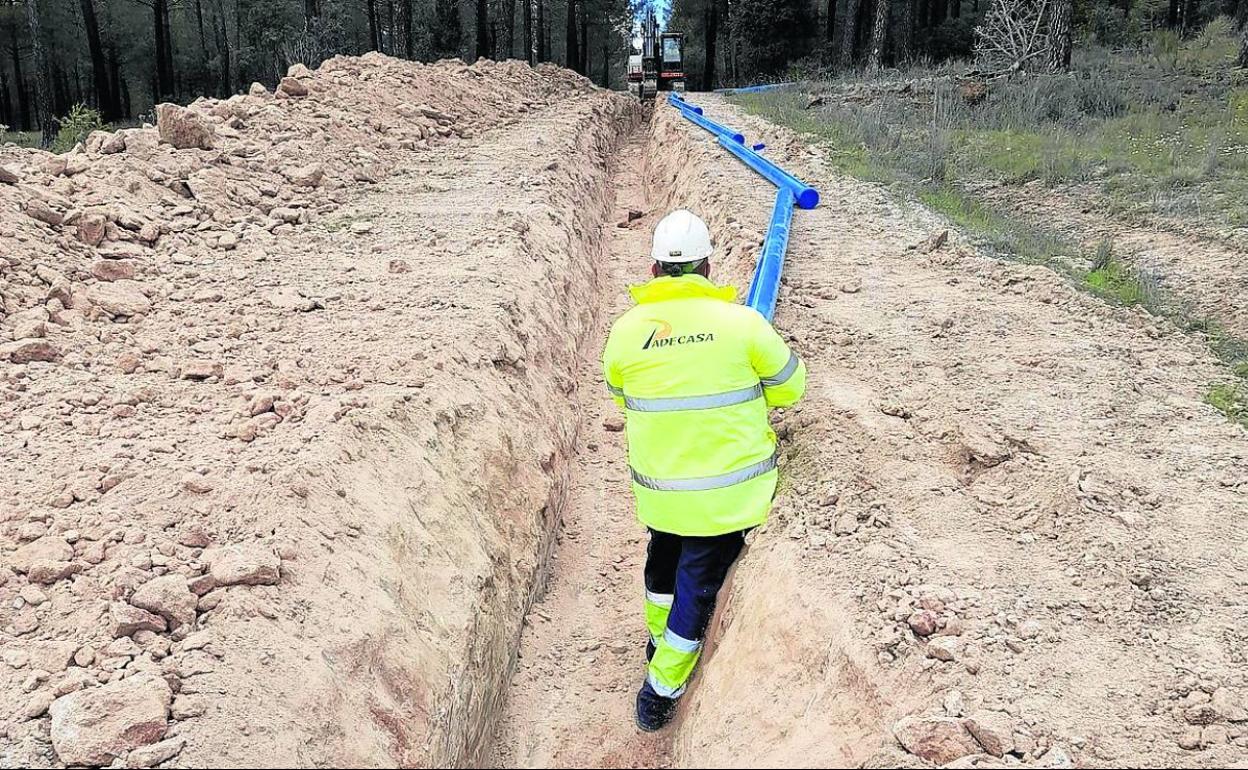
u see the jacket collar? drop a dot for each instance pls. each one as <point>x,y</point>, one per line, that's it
<point>666,288</point>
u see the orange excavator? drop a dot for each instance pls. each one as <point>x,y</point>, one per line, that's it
<point>659,65</point>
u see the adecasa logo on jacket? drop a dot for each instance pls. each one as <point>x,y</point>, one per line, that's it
<point>661,336</point>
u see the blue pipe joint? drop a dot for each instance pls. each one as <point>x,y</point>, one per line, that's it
<point>806,196</point>
<point>765,288</point>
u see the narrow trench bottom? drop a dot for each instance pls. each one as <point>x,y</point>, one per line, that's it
<point>582,651</point>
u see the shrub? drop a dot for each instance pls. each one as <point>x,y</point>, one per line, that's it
<point>76,127</point>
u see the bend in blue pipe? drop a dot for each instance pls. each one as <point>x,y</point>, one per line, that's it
<point>807,197</point>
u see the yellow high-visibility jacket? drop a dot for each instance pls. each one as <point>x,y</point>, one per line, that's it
<point>696,373</point>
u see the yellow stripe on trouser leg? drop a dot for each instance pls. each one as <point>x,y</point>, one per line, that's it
<point>673,663</point>
<point>658,606</point>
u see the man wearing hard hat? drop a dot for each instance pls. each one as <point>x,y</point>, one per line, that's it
<point>695,373</point>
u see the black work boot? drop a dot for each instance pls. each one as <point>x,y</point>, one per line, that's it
<point>653,710</point>
<point>650,648</point>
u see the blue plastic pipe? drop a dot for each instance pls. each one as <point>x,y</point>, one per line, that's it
<point>765,288</point>
<point>754,89</point>
<point>807,197</point>
<point>679,101</point>
<point>723,132</point>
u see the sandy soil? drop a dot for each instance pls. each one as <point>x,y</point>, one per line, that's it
<point>355,411</point>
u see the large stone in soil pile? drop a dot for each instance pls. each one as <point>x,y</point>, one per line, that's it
<point>183,128</point>
<point>244,565</point>
<point>94,726</point>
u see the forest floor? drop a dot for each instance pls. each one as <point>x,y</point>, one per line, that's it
<point>332,479</point>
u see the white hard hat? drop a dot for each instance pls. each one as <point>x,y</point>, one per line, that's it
<point>681,237</point>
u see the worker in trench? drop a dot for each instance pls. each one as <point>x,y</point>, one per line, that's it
<point>695,373</point>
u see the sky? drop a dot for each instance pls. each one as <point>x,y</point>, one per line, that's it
<point>662,8</point>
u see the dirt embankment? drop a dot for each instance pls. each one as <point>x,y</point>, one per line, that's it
<point>281,452</point>
<point>1008,528</point>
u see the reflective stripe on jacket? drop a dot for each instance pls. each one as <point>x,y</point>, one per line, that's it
<point>696,373</point>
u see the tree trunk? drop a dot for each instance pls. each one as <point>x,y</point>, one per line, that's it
<point>904,40</point>
<point>510,28</point>
<point>27,122</point>
<point>1242,61</point>
<point>483,32</point>
<point>529,54</point>
<point>571,53</point>
<point>541,31</point>
<point>829,30</point>
<point>584,19</point>
<point>164,85</point>
<point>878,32</point>
<point>117,82</point>
<point>99,71</point>
<point>848,32</point>
<point>6,114</point>
<point>955,8</point>
<point>199,22</point>
<point>388,37</point>
<point>374,26</point>
<point>1172,16</point>
<point>606,65</point>
<point>1059,36</point>
<point>409,48</point>
<point>311,10</point>
<point>168,35</point>
<point>1190,11</point>
<point>223,45</point>
<point>43,94</point>
<point>711,23</point>
<point>1126,9</point>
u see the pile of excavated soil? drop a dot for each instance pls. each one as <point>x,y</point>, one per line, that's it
<point>1008,531</point>
<point>279,414</point>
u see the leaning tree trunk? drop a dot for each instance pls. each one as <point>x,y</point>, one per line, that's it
<point>1059,36</point>
<point>43,96</point>
<point>878,34</point>
<point>1242,61</point>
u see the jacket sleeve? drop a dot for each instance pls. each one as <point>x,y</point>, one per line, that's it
<point>611,371</point>
<point>781,372</point>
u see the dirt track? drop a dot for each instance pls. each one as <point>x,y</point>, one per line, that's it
<point>1001,500</point>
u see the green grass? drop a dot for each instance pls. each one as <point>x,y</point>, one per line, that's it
<point>1231,399</point>
<point>1005,235</point>
<point>20,138</point>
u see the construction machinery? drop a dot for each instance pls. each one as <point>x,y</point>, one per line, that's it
<point>659,65</point>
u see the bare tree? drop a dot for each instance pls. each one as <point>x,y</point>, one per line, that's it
<point>1013,34</point>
